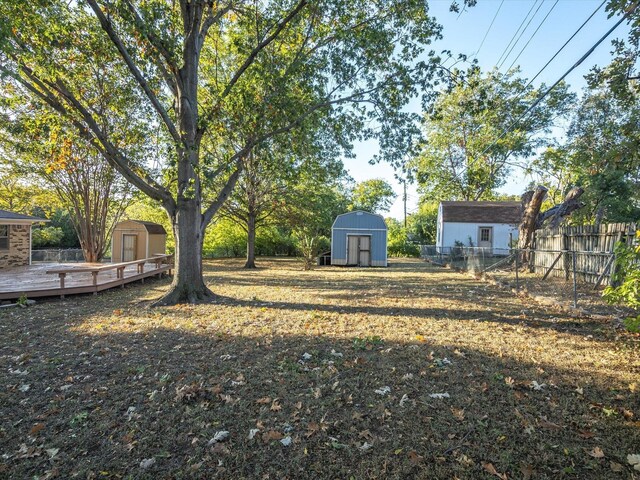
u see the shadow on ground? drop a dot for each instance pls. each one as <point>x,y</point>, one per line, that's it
<point>96,385</point>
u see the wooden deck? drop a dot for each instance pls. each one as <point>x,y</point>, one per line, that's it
<point>34,281</point>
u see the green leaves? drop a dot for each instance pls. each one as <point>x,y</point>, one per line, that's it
<point>625,288</point>
<point>474,132</point>
<point>375,195</point>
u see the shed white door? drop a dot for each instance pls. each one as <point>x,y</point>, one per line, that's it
<point>485,237</point>
<point>129,247</point>
<point>359,250</point>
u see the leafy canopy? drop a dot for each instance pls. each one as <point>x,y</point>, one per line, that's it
<point>375,195</point>
<point>471,136</point>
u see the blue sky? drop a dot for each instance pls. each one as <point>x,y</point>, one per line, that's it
<point>464,33</point>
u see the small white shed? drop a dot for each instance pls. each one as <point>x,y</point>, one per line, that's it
<point>478,224</point>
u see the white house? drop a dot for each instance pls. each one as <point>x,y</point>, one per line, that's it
<point>478,224</point>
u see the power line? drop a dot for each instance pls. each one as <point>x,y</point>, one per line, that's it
<point>489,29</point>
<point>533,34</point>
<point>575,65</point>
<point>521,34</point>
<point>565,44</point>
<point>516,32</point>
<point>630,11</point>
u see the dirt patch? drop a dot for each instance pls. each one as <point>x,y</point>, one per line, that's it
<point>406,372</point>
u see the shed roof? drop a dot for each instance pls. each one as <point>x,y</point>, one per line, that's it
<point>360,220</point>
<point>151,227</point>
<point>482,212</point>
<point>7,215</point>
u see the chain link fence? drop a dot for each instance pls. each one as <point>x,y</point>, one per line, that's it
<point>57,256</point>
<point>566,276</point>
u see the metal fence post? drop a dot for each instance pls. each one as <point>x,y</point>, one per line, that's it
<point>575,282</point>
<point>517,268</point>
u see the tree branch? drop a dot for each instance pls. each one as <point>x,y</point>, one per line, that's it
<point>262,45</point>
<point>109,152</point>
<point>226,190</point>
<point>144,28</point>
<point>212,18</point>
<point>115,39</point>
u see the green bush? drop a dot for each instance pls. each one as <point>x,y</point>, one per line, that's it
<point>46,237</point>
<point>625,281</point>
<point>398,244</point>
<point>225,238</point>
<point>60,218</point>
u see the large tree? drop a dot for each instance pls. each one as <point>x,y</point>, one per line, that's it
<point>477,130</point>
<point>375,195</point>
<point>601,155</point>
<point>91,190</point>
<point>202,74</point>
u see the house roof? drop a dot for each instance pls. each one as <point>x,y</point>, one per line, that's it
<point>7,215</point>
<point>360,220</point>
<point>482,212</point>
<point>151,227</point>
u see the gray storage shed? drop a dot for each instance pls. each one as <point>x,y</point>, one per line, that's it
<point>359,239</point>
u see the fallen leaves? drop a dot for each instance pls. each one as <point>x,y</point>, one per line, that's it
<point>327,411</point>
<point>414,458</point>
<point>219,436</point>
<point>383,390</point>
<point>634,460</point>
<point>147,463</point>
<point>537,386</point>
<point>527,471</point>
<point>616,467</point>
<point>458,413</point>
<point>271,435</point>
<point>491,470</point>
<point>316,427</point>
<point>37,428</point>
<point>596,452</point>
<point>439,395</point>
<point>544,423</point>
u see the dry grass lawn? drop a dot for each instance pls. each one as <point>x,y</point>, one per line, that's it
<point>405,372</point>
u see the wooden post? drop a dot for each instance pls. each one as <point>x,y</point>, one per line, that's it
<point>575,282</point>
<point>532,254</point>
<point>61,276</point>
<point>567,260</point>
<point>517,268</point>
<point>614,267</point>
<point>552,265</point>
<point>94,274</point>
<point>604,272</point>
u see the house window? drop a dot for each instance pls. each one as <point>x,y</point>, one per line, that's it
<point>485,234</point>
<point>4,237</point>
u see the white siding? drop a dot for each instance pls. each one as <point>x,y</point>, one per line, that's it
<point>449,232</point>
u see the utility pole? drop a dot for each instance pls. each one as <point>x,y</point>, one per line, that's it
<point>404,198</point>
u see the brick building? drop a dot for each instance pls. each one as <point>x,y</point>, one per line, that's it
<point>15,238</point>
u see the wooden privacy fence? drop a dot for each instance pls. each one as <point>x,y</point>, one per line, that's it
<point>592,246</point>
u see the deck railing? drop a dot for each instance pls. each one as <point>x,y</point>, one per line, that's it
<point>163,263</point>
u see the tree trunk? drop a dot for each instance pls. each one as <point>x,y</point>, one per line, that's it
<point>187,221</point>
<point>531,203</point>
<point>533,219</point>
<point>188,283</point>
<point>557,214</point>
<point>251,242</point>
